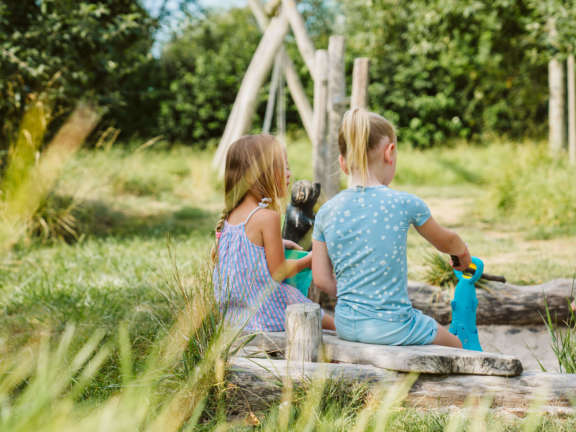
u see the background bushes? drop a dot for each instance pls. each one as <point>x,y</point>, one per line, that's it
<point>439,69</point>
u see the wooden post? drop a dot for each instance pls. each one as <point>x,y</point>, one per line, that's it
<point>336,107</point>
<point>247,97</point>
<point>303,332</point>
<point>556,121</point>
<point>360,77</point>
<point>319,119</point>
<point>292,79</point>
<point>303,40</point>
<point>571,111</point>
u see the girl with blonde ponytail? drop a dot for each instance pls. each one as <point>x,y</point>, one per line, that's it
<point>249,253</point>
<point>359,242</point>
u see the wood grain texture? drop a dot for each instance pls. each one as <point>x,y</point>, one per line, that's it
<point>259,381</point>
<point>303,332</point>
<point>430,359</point>
<point>360,80</point>
<point>500,303</point>
<point>320,117</point>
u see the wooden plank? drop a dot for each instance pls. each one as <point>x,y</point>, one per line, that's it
<point>336,107</point>
<point>259,383</point>
<point>360,77</point>
<point>303,41</point>
<point>247,97</point>
<point>571,111</point>
<point>430,359</point>
<point>292,79</point>
<point>319,120</point>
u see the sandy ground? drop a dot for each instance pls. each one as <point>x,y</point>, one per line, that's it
<point>531,344</point>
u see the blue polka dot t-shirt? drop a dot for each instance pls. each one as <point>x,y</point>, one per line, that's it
<point>365,231</point>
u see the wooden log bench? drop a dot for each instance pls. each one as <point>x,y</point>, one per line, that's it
<point>303,338</point>
<point>258,380</point>
<point>447,376</point>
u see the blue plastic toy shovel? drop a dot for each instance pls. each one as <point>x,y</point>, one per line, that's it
<point>465,304</point>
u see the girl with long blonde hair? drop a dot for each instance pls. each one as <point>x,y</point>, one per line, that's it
<point>249,256</point>
<point>359,242</point>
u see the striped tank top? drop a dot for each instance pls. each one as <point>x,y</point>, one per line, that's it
<point>246,292</point>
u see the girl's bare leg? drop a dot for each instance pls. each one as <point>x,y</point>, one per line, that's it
<point>444,337</point>
<point>328,322</point>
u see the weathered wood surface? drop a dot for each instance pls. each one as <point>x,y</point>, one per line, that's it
<point>246,100</point>
<point>259,383</point>
<point>500,303</point>
<point>320,117</point>
<point>303,332</point>
<point>360,78</point>
<point>303,41</point>
<point>337,104</point>
<point>556,103</point>
<point>571,109</point>
<point>430,359</point>
<point>292,79</point>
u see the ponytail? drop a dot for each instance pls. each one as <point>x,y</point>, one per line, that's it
<point>360,132</point>
<point>356,132</point>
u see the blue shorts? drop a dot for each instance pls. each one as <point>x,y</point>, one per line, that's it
<point>355,326</point>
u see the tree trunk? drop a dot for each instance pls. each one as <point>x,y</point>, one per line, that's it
<point>360,77</point>
<point>556,120</point>
<point>292,79</point>
<point>247,97</point>
<point>336,107</point>
<point>571,111</point>
<point>305,45</point>
<point>319,122</point>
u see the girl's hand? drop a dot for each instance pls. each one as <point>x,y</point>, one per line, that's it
<point>289,244</point>
<point>462,261</point>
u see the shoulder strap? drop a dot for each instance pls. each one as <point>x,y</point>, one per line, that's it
<point>262,204</point>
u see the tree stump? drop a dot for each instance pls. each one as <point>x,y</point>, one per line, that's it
<point>303,333</point>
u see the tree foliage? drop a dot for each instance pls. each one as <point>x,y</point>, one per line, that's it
<point>69,50</point>
<point>202,68</point>
<point>459,68</point>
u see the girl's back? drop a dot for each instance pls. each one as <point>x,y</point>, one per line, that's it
<point>365,231</point>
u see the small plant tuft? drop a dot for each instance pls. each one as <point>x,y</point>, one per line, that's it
<point>438,271</point>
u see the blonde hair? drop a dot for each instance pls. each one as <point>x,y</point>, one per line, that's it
<point>361,131</point>
<point>256,164</point>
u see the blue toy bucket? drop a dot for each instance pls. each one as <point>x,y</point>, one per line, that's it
<point>301,280</point>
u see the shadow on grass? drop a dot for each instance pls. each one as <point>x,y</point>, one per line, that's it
<point>97,219</point>
<point>461,172</point>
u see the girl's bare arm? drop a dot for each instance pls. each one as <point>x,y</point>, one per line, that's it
<point>280,268</point>
<point>322,271</point>
<point>446,241</point>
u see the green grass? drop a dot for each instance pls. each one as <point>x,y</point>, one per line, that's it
<point>140,214</point>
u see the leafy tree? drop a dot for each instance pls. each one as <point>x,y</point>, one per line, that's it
<point>69,50</point>
<point>457,68</point>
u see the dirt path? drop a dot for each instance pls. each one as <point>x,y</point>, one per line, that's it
<point>504,248</point>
